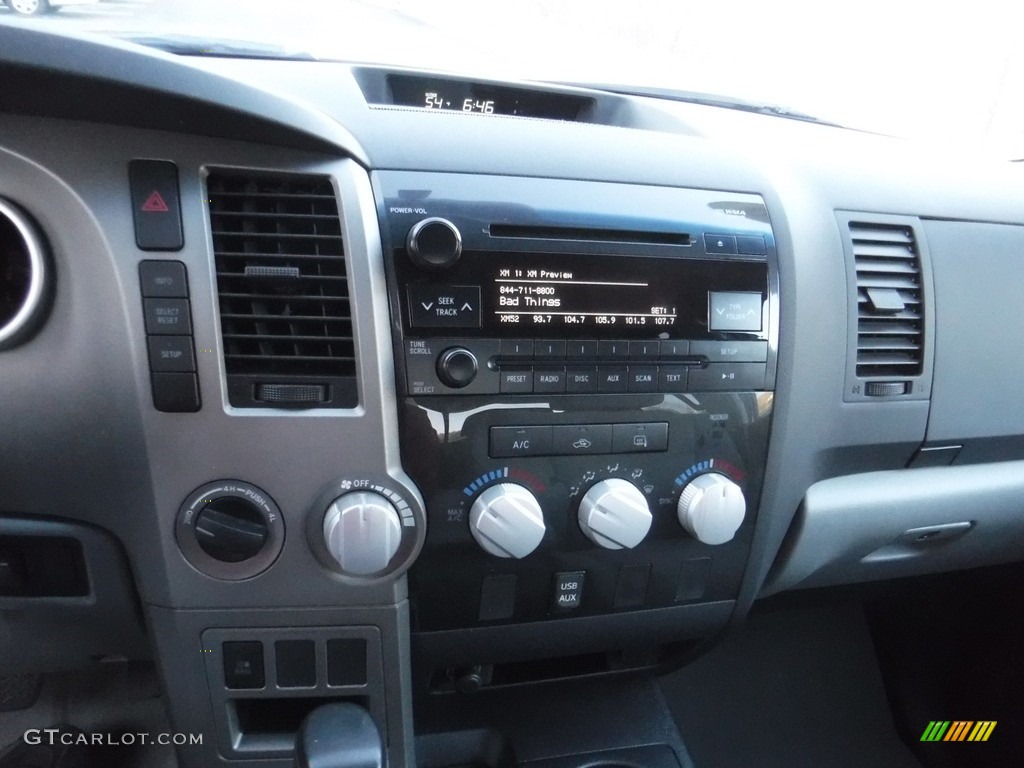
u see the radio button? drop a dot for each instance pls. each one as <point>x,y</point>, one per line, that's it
<point>518,348</point>
<point>731,351</point>
<point>516,381</point>
<point>673,378</point>
<point>643,378</point>
<point>548,349</point>
<point>509,442</point>
<point>719,243</point>
<point>612,379</point>
<point>581,350</point>
<point>549,380</point>
<point>613,350</point>
<point>579,380</point>
<point>643,350</point>
<point>718,377</point>
<point>580,440</point>
<point>674,349</point>
<point>640,438</point>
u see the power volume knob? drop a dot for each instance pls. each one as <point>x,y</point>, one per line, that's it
<point>506,520</point>
<point>712,508</point>
<point>614,514</point>
<point>362,531</point>
<point>434,243</point>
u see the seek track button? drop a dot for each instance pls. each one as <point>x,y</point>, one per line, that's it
<point>446,306</point>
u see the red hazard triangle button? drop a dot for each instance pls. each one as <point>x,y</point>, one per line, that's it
<point>155,204</point>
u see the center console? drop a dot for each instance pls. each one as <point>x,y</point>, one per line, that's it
<point>585,377</point>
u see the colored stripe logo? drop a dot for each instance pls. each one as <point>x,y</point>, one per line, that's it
<point>958,730</point>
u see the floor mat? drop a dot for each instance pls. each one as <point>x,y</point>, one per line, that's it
<point>792,687</point>
<point>109,699</point>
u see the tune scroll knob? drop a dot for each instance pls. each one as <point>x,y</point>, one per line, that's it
<point>457,367</point>
<point>362,531</point>
<point>434,243</point>
<point>614,514</point>
<point>711,508</point>
<point>506,520</point>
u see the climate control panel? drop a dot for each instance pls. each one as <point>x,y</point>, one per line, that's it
<point>633,527</point>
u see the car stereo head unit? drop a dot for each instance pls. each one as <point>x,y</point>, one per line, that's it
<point>585,376</point>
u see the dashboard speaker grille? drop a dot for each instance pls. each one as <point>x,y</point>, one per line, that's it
<point>890,311</point>
<point>283,289</point>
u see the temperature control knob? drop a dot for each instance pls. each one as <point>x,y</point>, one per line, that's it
<point>434,244</point>
<point>614,514</point>
<point>363,531</point>
<point>507,521</point>
<point>711,508</point>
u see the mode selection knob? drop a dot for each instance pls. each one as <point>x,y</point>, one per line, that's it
<point>614,514</point>
<point>231,529</point>
<point>712,508</point>
<point>457,367</point>
<point>506,520</point>
<point>434,243</point>
<point>362,531</point>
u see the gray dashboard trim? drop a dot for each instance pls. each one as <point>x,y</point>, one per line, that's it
<point>882,525</point>
<point>159,91</point>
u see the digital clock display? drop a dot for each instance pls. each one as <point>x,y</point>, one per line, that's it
<point>438,93</point>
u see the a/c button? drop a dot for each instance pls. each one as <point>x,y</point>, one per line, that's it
<point>507,442</point>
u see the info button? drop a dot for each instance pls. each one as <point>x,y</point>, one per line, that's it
<point>508,442</point>
<point>444,306</point>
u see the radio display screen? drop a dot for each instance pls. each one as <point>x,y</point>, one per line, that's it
<point>587,296</point>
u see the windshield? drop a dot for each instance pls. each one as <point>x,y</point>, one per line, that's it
<point>938,72</point>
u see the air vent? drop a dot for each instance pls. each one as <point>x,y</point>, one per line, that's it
<point>23,276</point>
<point>890,303</point>
<point>285,318</point>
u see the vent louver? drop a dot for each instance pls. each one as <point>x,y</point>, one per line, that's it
<point>890,311</point>
<point>285,319</point>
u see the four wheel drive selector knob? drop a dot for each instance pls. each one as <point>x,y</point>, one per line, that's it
<point>434,243</point>
<point>711,508</point>
<point>614,514</point>
<point>362,531</point>
<point>506,521</point>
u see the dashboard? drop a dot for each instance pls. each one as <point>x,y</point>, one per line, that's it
<point>326,382</point>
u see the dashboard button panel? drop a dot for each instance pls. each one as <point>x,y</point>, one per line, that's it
<point>541,366</point>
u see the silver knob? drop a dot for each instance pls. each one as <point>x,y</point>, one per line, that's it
<point>362,531</point>
<point>506,520</point>
<point>712,508</point>
<point>614,514</point>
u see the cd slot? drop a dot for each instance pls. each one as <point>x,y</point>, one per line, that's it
<point>582,234</point>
